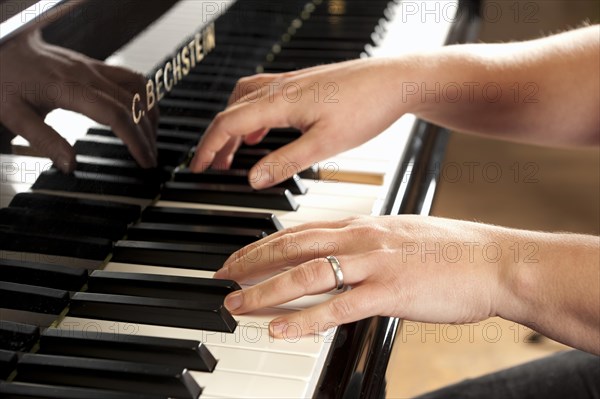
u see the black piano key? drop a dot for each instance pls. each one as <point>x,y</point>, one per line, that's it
<point>234,195</point>
<point>221,97</point>
<point>160,286</point>
<point>8,361</point>
<point>167,232</point>
<point>42,274</point>
<point>236,177</point>
<point>17,336</point>
<point>23,390</point>
<point>96,183</point>
<point>196,108</point>
<point>113,148</point>
<point>185,123</point>
<point>266,222</point>
<point>119,167</point>
<point>116,375</point>
<point>189,354</point>
<point>185,256</point>
<point>32,298</point>
<point>61,224</point>
<point>162,136</point>
<point>15,239</point>
<point>154,311</point>
<point>76,206</point>
<point>246,158</point>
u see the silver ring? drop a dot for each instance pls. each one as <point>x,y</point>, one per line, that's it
<point>337,272</point>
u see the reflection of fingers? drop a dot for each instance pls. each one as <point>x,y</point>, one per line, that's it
<point>309,278</point>
<point>106,110</point>
<point>26,122</point>
<point>224,158</point>
<point>357,304</point>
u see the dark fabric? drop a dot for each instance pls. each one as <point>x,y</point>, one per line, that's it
<point>571,374</point>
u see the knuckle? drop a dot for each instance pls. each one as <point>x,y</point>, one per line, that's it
<point>340,309</point>
<point>304,276</point>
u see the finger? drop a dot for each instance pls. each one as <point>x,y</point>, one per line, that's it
<point>292,159</point>
<point>256,137</point>
<point>310,278</point>
<point>236,121</point>
<point>23,120</point>
<point>287,250</point>
<point>250,87</point>
<point>106,110</point>
<point>224,158</point>
<point>348,307</point>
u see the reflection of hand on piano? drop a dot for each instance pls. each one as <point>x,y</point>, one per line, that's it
<point>337,106</point>
<point>38,77</point>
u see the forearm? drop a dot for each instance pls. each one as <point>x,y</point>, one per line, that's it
<point>554,287</point>
<point>545,91</point>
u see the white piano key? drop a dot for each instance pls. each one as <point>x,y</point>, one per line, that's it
<point>266,363</point>
<point>247,337</point>
<point>237,385</point>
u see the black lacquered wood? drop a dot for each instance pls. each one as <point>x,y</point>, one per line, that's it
<point>253,220</point>
<point>20,240</point>
<point>154,311</point>
<point>185,256</point>
<point>123,376</point>
<point>96,183</point>
<point>236,177</point>
<point>60,224</point>
<point>8,361</point>
<point>17,336</point>
<point>190,234</point>
<point>161,286</point>
<point>113,148</point>
<point>42,274</point>
<point>189,354</point>
<point>32,298</point>
<point>233,195</point>
<point>75,206</point>
<point>24,390</point>
<point>96,165</point>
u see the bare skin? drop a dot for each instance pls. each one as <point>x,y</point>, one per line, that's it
<point>556,291</point>
<point>71,81</point>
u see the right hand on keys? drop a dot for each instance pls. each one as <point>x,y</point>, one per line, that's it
<point>38,77</point>
<point>337,107</point>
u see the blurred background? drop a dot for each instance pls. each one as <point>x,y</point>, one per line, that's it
<point>538,189</point>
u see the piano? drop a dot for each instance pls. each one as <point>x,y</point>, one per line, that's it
<point>105,274</point>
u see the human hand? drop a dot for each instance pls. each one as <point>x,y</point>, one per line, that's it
<point>337,107</point>
<point>38,77</point>
<point>402,266</point>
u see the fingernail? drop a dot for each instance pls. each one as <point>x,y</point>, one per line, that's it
<point>278,327</point>
<point>222,273</point>
<point>265,179</point>
<point>233,301</point>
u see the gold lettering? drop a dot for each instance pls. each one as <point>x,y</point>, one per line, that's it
<point>137,116</point>
<point>177,68</point>
<point>209,41</point>
<point>199,48</point>
<point>185,56</point>
<point>150,99</point>
<point>192,47</point>
<point>159,85</point>
<point>169,83</point>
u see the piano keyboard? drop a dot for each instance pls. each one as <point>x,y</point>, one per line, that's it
<point>96,286</point>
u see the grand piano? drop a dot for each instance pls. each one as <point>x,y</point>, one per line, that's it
<point>105,274</point>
